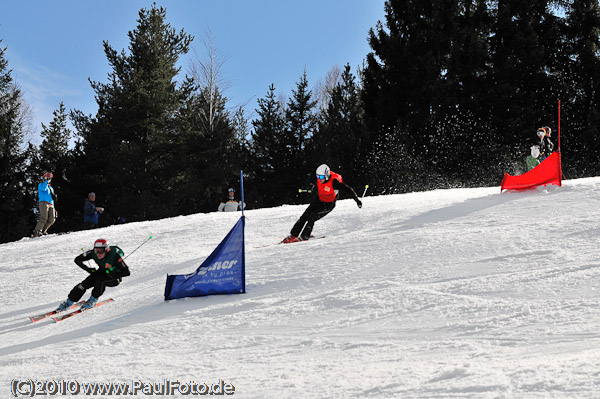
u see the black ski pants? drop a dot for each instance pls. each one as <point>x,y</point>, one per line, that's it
<point>98,280</point>
<point>315,211</point>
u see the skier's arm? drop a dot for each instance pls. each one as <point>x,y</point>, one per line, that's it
<point>117,268</point>
<point>337,185</point>
<point>83,257</point>
<point>221,207</point>
<point>314,193</point>
<point>122,269</point>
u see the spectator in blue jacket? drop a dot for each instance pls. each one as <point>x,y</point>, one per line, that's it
<point>46,198</point>
<point>91,212</point>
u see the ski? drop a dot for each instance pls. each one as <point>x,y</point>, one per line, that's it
<point>290,242</point>
<point>52,312</point>
<point>299,240</point>
<point>80,310</point>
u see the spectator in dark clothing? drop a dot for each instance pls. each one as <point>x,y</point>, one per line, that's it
<point>91,212</point>
<point>546,145</point>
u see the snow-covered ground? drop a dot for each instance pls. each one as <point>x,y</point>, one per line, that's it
<point>443,294</point>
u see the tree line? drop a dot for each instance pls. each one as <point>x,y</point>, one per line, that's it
<point>450,95</point>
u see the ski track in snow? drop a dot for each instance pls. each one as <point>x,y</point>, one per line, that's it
<point>462,293</point>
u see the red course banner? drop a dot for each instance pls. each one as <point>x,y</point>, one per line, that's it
<point>547,172</point>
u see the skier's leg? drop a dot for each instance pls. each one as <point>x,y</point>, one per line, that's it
<point>305,235</point>
<point>297,229</point>
<point>320,210</point>
<point>80,289</point>
<point>101,284</point>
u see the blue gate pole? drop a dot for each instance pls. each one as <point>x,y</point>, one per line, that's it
<point>242,188</point>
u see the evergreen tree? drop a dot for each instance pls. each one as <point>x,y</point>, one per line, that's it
<point>16,195</point>
<point>581,111</point>
<point>54,156</point>
<point>472,75</point>
<point>300,123</point>
<point>242,151</point>
<point>211,153</point>
<point>461,148</point>
<point>214,151</point>
<point>341,132</point>
<point>55,143</point>
<point>133,140</point>
<point>404,79</point>
<point>241,125</point>
<point>520,97</point>
<point>468,59</point>
<point>266,151</point>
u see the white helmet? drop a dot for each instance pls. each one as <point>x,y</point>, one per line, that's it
<point>323,170</point>
<point>535,151</point>
<point>541,132</point>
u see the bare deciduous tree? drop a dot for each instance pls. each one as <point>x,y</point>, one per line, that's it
<point>207,71</point>
<point>324,86</point>
<point>23,111</point>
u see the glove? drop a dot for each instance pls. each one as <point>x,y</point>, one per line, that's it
<point>359,203</point>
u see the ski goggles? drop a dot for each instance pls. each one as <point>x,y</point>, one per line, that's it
<point>321,177</point>
<point>99,250</point>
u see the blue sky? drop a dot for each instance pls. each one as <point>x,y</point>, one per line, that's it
<point>53,47</point>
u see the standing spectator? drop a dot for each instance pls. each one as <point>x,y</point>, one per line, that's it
<point>230,205</point>
<point>46,198</point>
<point>546,145</point>
<point>91,212</point>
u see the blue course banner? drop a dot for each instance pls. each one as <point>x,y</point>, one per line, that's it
<point>223,272</point>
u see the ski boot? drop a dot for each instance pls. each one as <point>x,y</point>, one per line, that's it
<point>65,305</point>
<point>90,303</point>
<point>290,239</point>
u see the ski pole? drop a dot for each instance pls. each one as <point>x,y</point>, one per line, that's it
<point>364,192</point>
<point>147,239</point>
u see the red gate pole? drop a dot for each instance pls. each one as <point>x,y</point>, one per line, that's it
<point>560,174</point>
<point>558,125</point>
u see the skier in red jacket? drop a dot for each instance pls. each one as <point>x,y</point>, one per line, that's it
<point>328,185</point>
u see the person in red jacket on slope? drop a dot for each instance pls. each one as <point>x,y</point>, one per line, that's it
<point>328,185</point>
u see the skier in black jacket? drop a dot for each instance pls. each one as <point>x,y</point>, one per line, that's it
<point>110,272</point>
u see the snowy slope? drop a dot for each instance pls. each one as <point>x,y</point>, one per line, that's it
<point>442,294</point>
